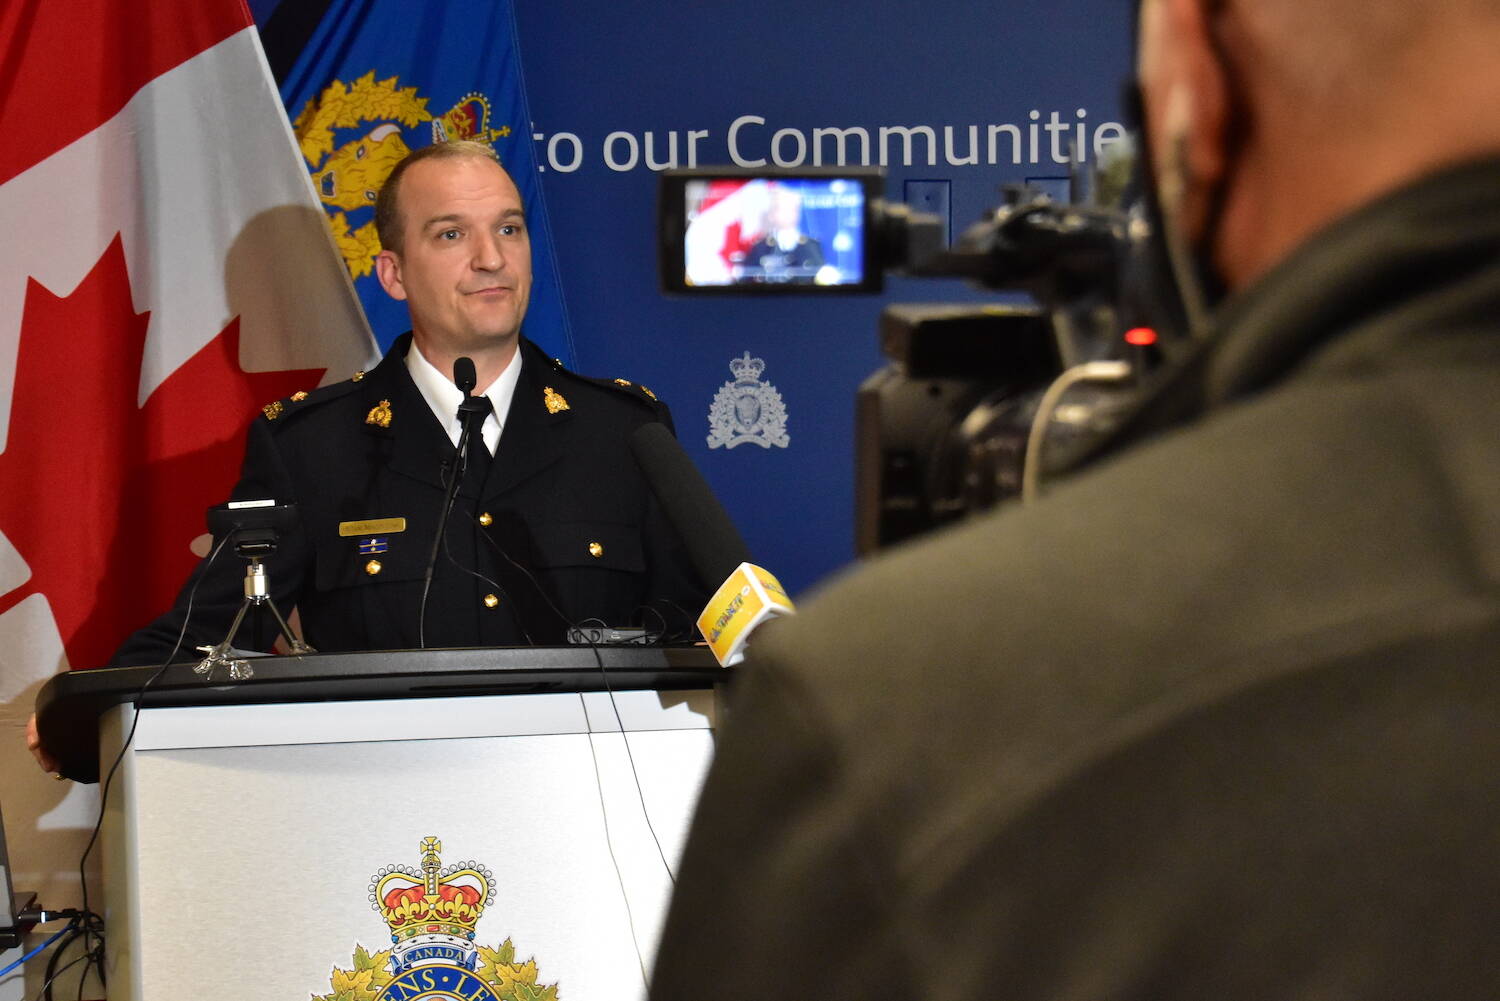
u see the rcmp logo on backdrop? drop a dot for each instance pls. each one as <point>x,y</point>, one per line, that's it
<point>348,177</point>
<point>747,409</point>
<point>432,912</point>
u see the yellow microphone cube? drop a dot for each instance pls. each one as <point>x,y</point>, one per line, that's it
<point>749,596</point>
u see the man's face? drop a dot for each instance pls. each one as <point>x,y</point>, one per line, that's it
<point>786,210</point>
<point>464,266</point>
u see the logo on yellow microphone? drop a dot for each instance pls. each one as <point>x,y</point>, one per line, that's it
<point>750,596</point>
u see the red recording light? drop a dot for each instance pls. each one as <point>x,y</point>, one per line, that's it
<point>1141,337</point>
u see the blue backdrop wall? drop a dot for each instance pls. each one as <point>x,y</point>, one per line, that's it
<point>969,96</point>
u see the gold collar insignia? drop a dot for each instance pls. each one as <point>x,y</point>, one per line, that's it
<point>380,415</point>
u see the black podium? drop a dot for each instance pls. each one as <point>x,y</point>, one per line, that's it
<point>448,821</point>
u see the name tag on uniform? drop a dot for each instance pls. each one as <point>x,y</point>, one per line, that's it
<point>379,526</point>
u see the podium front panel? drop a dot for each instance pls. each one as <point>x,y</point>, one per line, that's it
<point>277,851</point>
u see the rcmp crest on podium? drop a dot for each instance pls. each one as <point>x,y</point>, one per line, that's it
<point>747,409</point>
<point>432,912</point>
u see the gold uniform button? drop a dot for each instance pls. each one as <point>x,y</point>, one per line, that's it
<point>486,520</point>
<point>373,567</point>
<point>491,600</point>
<point>596,550</point>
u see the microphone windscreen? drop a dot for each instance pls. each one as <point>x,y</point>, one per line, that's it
<point>714,545</point>
<point>464,376</point>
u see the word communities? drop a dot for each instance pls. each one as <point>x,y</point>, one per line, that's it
<point>750,141</point>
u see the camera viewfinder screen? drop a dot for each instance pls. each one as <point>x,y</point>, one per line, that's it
<point>782,231</point>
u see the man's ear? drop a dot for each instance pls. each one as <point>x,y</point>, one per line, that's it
<point>1196,110</point>
<point>388,270</point>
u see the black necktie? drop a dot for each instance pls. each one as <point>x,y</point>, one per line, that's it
<point>478,459</point>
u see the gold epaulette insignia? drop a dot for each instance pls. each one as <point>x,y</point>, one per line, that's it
<point>554,400</point>
<point>356,376</point>
<point>622,382</point>
<point>648,392</point>
<point>380,415</point>
<point>299,396</point>
<point>273,410</point>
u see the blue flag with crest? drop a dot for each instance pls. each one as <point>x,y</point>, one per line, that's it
<point>377,78</point>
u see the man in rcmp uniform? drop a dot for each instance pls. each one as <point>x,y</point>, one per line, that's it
<point>785,253</point>
<point>553,523</point>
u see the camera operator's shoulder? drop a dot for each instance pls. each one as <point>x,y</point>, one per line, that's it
<point>1180,530</point>
<point>295,409</point>
<point>617,397</point>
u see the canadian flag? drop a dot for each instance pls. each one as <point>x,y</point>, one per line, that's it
<point>165,270</point>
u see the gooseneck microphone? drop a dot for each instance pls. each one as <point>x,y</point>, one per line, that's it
<point>471,414</point>
<point>747,595</point>
<point>464,376</point>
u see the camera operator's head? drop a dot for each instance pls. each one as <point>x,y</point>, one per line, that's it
<point>1268,119</point>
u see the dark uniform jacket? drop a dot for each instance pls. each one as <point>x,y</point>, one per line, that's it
<point>562,529</point>
<point>766,261</point>
<point>1218,718</point>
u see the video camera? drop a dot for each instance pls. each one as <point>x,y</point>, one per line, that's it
<point>946,428</point>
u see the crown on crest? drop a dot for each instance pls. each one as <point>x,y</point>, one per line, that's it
<point>432,909</point>
<point>468,119</point>
<point>747,369</point>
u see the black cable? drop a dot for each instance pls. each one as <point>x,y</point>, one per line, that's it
<point>593,754</point>
<point>95,955</point>
<point>662,635</point>
<point>51,972</point>
<point>592,622</point>
<point>79,928</point>
<point>609,842</point>
<point>604,675</point>
<point>689,622</point>
<point>450,497</point>
<point>503,593</point>
<point>598,780</point>
<point>472,413</point>
<point>94,932</point>
<point>634,774</point>
<point>46,991</point>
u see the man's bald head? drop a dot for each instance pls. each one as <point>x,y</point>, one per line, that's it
<point>1271,118</point>
<point>1350,57</point>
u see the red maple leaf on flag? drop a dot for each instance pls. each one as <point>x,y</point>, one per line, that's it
<point>103,497</point>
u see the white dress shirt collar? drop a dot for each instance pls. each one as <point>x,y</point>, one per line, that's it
<point>443,396</point>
